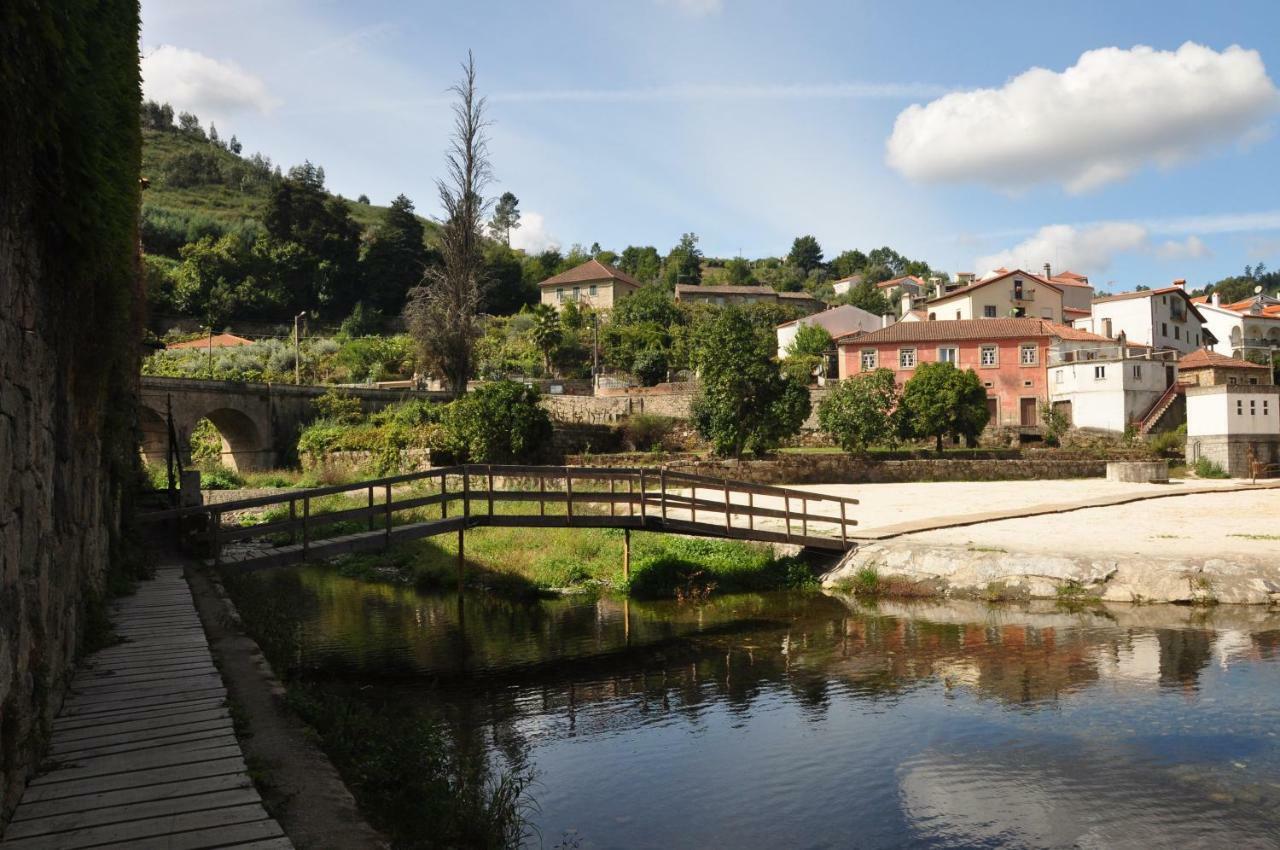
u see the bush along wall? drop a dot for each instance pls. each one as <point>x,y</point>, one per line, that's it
<point>70,321</point>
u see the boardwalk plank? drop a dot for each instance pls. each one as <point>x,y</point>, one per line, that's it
<point>134,831</point>
<point>124,763</point>
<point>136,779</point>
<point>111,745</point>
<point>62,823</point>
<point>104,800</point>
<point>156,725</point>
<point>222,836</point>
<point>83,721</point>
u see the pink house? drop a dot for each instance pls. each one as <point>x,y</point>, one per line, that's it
<point>1010,356</point>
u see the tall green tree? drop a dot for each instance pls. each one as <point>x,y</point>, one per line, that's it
<point>848,263</point>
<point>395,258</point>
<point>858,412</point>
<point>506,217</point>
<point>442,313</point>
<point>739,271</point>
<point>806,254</point>
<point>642,263</point>
<point>684,263</point>
<point>745,404</point>
<point>547,332</point>
<point>868,297</point>
<point>943,401</point>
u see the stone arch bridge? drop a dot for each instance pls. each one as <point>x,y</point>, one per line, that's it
<point>259,423</point>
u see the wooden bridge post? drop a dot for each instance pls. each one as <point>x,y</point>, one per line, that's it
<point>844,537</point>
<point>371,507</point>
<point>751,510</point>
<point>293,518</point>
<point>728,517</point>
<point>466,495</point>
<point>643,514</point>
<point>786,510</point>
<point>388,515</point>
<point>306,514</point>
<point>444,495</point>
<point>626,554</point>
<point>631,490</point>
<point>611,489</point>
<point>489,472</point>
<point>568,496</point>
<point>662,483</point>
<point>804,517</point>
<point>693,503</point>
<point>215,526</point>
<point>542,494</point>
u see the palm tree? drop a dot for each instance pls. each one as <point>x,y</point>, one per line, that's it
<point>546,332</point>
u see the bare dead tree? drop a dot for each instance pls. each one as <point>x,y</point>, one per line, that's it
<point>442,312</point>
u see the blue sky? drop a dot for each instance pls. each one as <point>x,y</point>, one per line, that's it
<point>750,123</point>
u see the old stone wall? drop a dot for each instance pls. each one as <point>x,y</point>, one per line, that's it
<point>838,468</point>
<point>674,400</point>
<point>70,319</point>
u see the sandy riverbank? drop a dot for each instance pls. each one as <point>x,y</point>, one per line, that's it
<point>1219,546</point>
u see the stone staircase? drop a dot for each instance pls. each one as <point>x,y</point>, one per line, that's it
<point>1173,402</point>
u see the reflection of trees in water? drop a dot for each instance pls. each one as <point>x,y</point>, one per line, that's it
<point>1183,654</point>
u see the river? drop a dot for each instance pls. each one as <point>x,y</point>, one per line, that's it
<point>807,720</point>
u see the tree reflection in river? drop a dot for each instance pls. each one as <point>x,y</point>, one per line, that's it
<point>750,720</point>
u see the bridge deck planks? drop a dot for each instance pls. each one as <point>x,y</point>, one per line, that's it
<point>143,753</point>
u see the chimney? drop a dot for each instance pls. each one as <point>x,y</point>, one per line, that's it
<point>906,302</point>
<point>1181,283</point>
<point>1048,273</point>
<point>1215,299</point>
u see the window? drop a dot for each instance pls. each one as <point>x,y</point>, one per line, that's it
<point>1266,405</point>
<point>906,358</point>
<point>1239,407</point>
<point>957,315</point>
<point>1231,379</point>
<point>988,311</point>
<point>1164,329</point>
<point>559,293</point>
<point>1197,339</point>
<point>1177,332</point>
<point>1099,373</point>
<point>1253,380</point>
<point>577,292</point>
<point>1028,355</point>
<point>868,359</point>
<point>948,355</point>
<point>1253,407</point>
<point>1057,376</point>
<point>592,290</point>
<point>1137,372</point>
<point>989,356</point>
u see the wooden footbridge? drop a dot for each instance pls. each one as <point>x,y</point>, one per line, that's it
<point>402,507</point>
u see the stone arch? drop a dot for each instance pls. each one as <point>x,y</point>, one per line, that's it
<point>1236,337</point>
<point>243,446</point>
<point>154,436</point>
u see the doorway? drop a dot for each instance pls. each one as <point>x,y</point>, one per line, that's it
<point>1027,411</point>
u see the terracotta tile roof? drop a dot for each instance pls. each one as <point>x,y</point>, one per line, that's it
<point>1078,335</point>
<point>972,329</point>
<point>965,290</point>
<point>1077,311</point>
<point>218,341</point>
<point>1202,358</point>
<point>1070,279</point>
<point>591,270</point>
<point>695,289</point>
<point>840,321</point>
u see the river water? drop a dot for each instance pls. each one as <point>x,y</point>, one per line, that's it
<point>806,720</point>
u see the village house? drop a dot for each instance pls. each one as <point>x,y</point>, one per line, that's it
<point>593,284</point>
<point>844,284</point>
<point>1112,387</point>
<point>842,321</point>
<point>1205,368</point>
<point>1011,294</point>
<point>1161,318</point>
<point>1009,355</point>
<point>1234,426</point>
<point>721,296</point>
<point>1248,329</point>
<point>907,290</point>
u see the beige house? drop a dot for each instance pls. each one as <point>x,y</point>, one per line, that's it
<point>592,284</point>
<point>1015,294</point>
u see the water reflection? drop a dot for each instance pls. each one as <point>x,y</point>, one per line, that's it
<point>811,720</point>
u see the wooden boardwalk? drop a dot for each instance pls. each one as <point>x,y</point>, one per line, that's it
<point>644,499</point>
<point>143,754</point>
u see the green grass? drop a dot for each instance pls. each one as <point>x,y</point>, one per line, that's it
<point>524,561</point>
<point>1256,536</point>
<point>1206,468</point>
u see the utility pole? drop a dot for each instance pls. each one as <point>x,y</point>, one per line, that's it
<point>297,356</point>
<point>595,351</point>
<point>210,352</point>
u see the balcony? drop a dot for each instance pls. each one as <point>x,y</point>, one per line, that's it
<point>1022,295</point>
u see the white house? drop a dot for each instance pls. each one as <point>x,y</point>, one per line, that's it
<point>1013,294</point>
<point>1109,389</point>
<point>838,321</point>
<point>1161,318</point>
<point>1232,425</point>
<point>844,284</point>
<point>1248,329</point>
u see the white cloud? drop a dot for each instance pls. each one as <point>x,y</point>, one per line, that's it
<point>695,8</point>
<point>1098,121</point>
<point>197,83</point>
<point>1089,249</point>
<point>1191,248</point>
<point>532,236</point>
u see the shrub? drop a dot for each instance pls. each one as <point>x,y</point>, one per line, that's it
<point>206,444</point>
<point>499,422</point>
<point>1206,468</point>
<point>859,411</point>
<point>1055,424</point>
<point>220,478</point>
<point>645,431</point>
<point>1169,442</point>
<point>650,367</point>
<point>802,368</point>
<point>338,406</point>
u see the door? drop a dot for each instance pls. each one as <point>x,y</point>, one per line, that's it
<point>1028,410</point>
<point>993,410</point>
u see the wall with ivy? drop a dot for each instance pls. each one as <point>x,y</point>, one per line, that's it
<point>70,310</point>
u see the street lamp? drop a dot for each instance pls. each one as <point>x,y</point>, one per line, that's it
<point>297,357</point>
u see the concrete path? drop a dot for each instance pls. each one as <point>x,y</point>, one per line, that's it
<point>143,754</point>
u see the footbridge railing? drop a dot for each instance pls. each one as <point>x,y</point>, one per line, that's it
<point>325,521</point>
